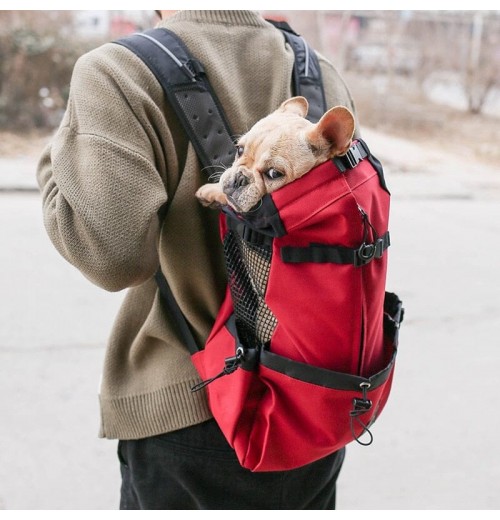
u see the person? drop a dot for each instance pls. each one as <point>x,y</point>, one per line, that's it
<point>117,160</point>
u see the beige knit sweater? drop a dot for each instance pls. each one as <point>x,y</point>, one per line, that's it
<point>116,159</point>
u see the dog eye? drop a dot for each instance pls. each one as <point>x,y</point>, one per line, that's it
<point>273,174</point>
<point>239,151</point>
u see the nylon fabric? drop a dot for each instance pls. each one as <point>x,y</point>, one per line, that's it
<point>329,316</point>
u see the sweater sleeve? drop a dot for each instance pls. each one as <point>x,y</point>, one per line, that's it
<point>100,188</point>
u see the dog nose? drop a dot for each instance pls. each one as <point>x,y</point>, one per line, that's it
<point>240,180</point>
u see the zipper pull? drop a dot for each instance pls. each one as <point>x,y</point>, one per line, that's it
<point>230,365</point>
<point>359,407</point>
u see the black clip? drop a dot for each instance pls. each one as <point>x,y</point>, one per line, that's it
<point>195,68</point>
<point>364,254</point>
<point>356,153</point>
<point>353,156</point>
<point>379,248</point>
<point>360,406</point>
<point>233,362</point>
<point>367,252</point>
<point>230,365</point>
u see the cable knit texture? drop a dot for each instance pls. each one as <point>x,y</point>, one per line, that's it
<point>117,158</point>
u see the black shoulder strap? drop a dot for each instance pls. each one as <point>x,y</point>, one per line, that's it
<point>188,90</point>
<point>307,80</point>
<point>190,94</point>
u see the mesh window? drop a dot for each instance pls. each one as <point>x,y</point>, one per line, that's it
<point>248,268</point>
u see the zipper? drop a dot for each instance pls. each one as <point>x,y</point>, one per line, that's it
<point>366,228</point>
<point>363,320</point>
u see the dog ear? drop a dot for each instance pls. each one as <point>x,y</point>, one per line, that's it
<point>296,105</point>
<point>335,130</point>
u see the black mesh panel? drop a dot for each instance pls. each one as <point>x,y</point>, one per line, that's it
<point>248,268</point>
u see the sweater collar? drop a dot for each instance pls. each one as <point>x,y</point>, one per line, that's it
<point>248,18</point>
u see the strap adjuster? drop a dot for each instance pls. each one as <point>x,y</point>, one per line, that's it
<point>356,153</point>
<point>367,252</point>
<point>248,234</point>
<point>353,156</point>
<point>195,68</point>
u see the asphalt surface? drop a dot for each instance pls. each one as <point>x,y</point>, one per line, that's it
<point>435,446</point>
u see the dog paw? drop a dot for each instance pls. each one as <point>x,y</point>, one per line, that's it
<point>210,196</point>
<point>210,204</point>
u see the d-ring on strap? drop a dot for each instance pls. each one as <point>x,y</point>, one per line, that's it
<point>324,253</point>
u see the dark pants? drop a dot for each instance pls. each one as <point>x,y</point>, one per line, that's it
<point>195,468</point>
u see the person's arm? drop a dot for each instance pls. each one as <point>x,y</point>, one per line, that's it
<point>100,188</point>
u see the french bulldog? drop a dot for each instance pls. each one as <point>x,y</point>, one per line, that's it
<point>277,150</point>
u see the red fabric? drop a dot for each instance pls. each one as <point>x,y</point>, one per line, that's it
<point>329,316</point>
<point>330,301</point>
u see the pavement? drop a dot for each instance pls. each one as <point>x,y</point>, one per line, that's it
<point>435,445</point>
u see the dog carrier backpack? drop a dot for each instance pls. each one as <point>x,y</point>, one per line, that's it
<point>300,360</point>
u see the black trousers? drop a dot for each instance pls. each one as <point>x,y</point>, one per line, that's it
<point>195,468</point>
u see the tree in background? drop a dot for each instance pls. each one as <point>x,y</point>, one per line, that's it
<point>423,49</point>
<point>38,51</point>
<point>458,49</point>
<point>37,54</point>
<point>483,67</point>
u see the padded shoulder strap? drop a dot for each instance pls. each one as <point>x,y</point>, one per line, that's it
<point>307,80</point>
<point>188,90</point>
<point>185,84</point>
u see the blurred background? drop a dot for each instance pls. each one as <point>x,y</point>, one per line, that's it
<point>426,85</point>
<point>416,71</point>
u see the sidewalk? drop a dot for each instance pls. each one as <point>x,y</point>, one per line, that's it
<point>435,444</point>
<point>18,174</point>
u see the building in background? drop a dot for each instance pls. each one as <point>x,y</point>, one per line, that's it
<point>111,24</point>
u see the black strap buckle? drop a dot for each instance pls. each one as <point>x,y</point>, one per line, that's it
<point>195,68</point>
<point>356,153</point>
<point>367,252</point>
<point>353,156</point>
<point>248,234</point>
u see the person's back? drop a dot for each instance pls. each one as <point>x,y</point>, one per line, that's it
<point>118,183</point>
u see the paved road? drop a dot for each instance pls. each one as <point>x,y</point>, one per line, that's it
<point>435,445</point>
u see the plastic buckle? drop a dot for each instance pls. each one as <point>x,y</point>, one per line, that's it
<point>353,156</point>
<point>379,248</point>
<point>364,254</point>
<point>360,406</point>
<point>247,233</point>
<point>253,237</point>
<point>195,67</point>
<point>367,252</point>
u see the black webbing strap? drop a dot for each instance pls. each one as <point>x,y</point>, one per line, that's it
<point>188,91</point>
<point>190,94</point>
<point>248,234</point>
<point>185,84</point>
<point>322,253</point>
<point>176,313</point>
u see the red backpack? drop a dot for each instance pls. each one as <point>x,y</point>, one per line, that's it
<point>301,358</point>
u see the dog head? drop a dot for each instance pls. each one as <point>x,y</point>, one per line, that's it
<point>281,148</point>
